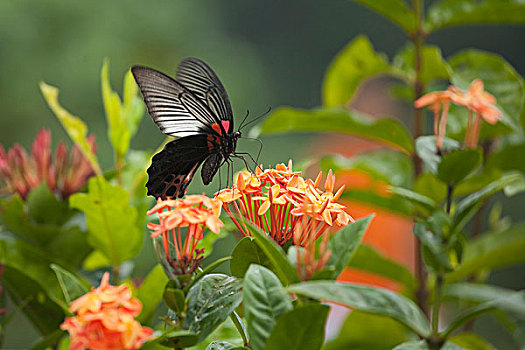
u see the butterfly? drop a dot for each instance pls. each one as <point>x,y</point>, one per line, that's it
<point>195,108</point>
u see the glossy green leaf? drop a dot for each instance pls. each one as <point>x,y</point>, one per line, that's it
<point>468,206</point>
<point>356,63</point>
<point>395,10</point>
<point>72,286</point>
<point>221,345</point>
<point>345,242</point>
<point>74,126</point>
<point>264,300</point>
<point>205,271</point>
<point>458,164</point>
<point>394,168</point>
<point>430,186</point>
<point>245,253</point>
<point>110,219</point>
<point>386,130</point>
<point>422,345</point>
<point>447,13</point>
<point>177,339</point>
<point>499,78</point>
<point>435,252</point>
<point>150,292</point>
<point>466,316</point>
<point>434,66</point>
<point>491,251</point>
<point>477,181</point>
<point>174,297</point>
<point>370,299</point>
<point>308,323</point>
<point>427,151</point>
<point>358,327</point>
<point>505,299</point>
<point>470,340</point>
<point>422,202</point>
<point>368,259</point>
<point>274,253</point>
<point>210,301</point>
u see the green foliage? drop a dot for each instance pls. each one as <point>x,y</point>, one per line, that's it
<point>245,253</point>
<point>422,345</point>
<point>150,292</point>
<point>446,13</point>
<point>308,323</point>
<point>427,151</point>
<point>74,126</point>
<point>210,301</point>
<point>356,63</point>
<point>111,221</point>
<point>458,164</point>
<point>344,244</point>
<point>434,66</point>
<point>71,285</point>
<point>386,130</point>
<point>264,301</point>
<point>395,10</point>
<point>370,299</point>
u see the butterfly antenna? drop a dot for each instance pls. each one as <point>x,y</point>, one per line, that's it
<point>246,116</point>
<point>259,117</point>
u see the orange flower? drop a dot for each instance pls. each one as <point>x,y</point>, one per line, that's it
<point>476,99</point>
<point>277,200</point>
<point>105,319</point>
<point>194,213</point>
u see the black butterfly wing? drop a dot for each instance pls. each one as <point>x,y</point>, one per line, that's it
<point>202,81</point>
<point>172,169</point>
<point>174,108</point>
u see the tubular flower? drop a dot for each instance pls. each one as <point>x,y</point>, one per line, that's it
<point>105,319</point>
<point>475,99</point>
<point>194,213</point>
<point>66,174</point>
<point>278,200</point>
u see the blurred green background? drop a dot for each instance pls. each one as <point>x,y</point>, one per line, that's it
<point>269,53</point>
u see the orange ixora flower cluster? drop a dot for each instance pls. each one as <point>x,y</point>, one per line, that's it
<point>475,99</point>
<point>105,319</point>
<point>279,200</point>
<point>195,212</point>
<point>66,174</point>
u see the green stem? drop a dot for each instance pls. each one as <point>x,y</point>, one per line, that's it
<point>240,327</point>
<point>450,190</point>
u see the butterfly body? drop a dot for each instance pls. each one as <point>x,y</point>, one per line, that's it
<point>194,107</point>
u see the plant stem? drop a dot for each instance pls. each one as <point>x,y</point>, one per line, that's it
<point>450,189</point>
<point>240,327</point>
<point>418,40</point>
<point>116,274</point>
<point>435,342</point>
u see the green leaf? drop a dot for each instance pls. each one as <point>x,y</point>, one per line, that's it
<point>358,327</point>
<point>491,251</point>
<point>422,345</point>
<point>506,159</point>
<point>345,242</point>
<point>264,301</point>
<point>468,206</point>
<point>478,181</point>
<point>433,67</point>
<point>505,299</point>
<point>499,78</point>
<point>45,208</point>
<point>280,265</point>
<point>96,260</point>
<point>370,299</point>
<point>386,130</point>
<point>177,339</point>
<point>110,219</point>
<point>435,253</point>
<point>210,301</point>
<point>353,65</point>
<point>395,10</point>
<point>426,150</point>
<point>458,164</point>
<point>123,118</point>
<point>469,340</point>
<point>393,203</point>
<point>207,270</point>
<point>74,126</point>
<point>422,202</point>
<point>221,345</point>
<point>308,323</point>
<point>368,259</point>
<point>49,341</point>
<point>150,292</point>
<point>392,167</point>
<point>174,297</point>
<point>71,285</point>
<point>446,13</point>
<point>430,186</point>
<point>245,253</point>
